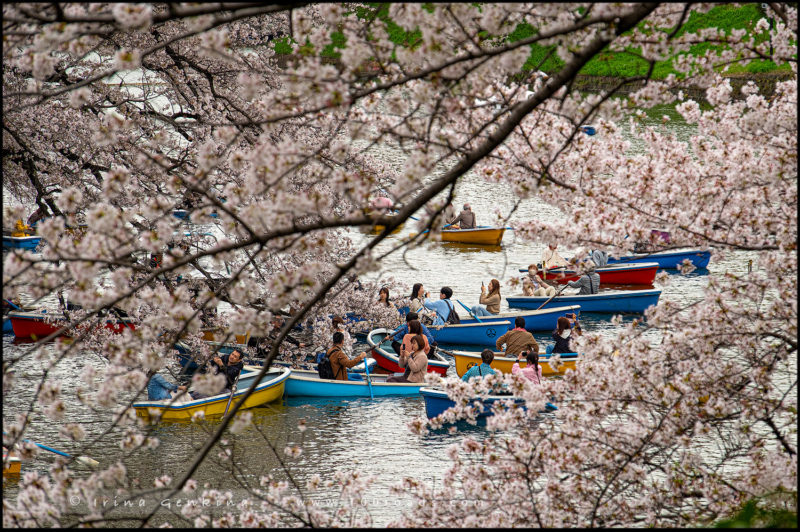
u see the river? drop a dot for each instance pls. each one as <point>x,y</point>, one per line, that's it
<point>342,434</point>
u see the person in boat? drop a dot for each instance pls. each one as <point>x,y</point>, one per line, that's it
<point>229,365</point>
<point>416,304</point>
<point>159,388</point>
<point>21,229</point>
<point>465,219</point>
<point>534,285</point>
<point>449,214</point>
<point>443,306</point>
<point>264,344</point>
<point>484,369</point>
<point>413,358</point>
<point>600,258</point>
<point>589,282</point>
<point>490,300</point>
<point>383,297</point>
<point>533,371</point>
<point>517,340</point>
<point>397,339</point>
<point>381,203</point>
<point>340,362</point>
<point>338,326</point>
<point>563,334</point>
<point>551,258</point>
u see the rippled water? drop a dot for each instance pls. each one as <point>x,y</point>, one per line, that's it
<point>343,434</point>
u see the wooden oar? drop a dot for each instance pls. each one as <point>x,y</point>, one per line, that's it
<point>233,391</point>
<point>369,379</point>
<point>553,296</point>
<point>468,310</point>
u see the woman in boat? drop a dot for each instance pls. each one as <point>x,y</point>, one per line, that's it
<point>490,300</point>
<point>533,371</point>
<point>563,334</point>
<point>383,297</point>
<point>534,285</point>
<point>414,329</point>
<point>338,326</point>
<point>416,304</point>
<point>414,359</point>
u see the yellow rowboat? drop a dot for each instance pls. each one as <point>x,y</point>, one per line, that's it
<point>269,389</point>
<point>484,236</point>
<point>11,464</point>
<point>465,360</point>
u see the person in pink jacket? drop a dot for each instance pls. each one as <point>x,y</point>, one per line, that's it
<point>533,371</point>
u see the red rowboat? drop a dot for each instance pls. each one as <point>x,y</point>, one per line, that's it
<point>641,273</point>
<point>33,324</point>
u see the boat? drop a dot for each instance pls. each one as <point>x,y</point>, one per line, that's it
<point>643,273</point>
<point>437,402</point>
<point>604,301</point>
<point>269,389</point>
<point>7,327</point>
<point>482,334</point>
<point>380,340</point>
<point>482,235</point>
<point>11,463</point>
<point>304,383</point>
<point>21,242</point>
<point>667,259</point>
<point>535,320</point>
<point>183,213</point>
<point>218,335</point>
<point>36,325</point>
<point>465,360</point>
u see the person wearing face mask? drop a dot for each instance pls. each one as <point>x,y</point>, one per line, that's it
<point>563,334</point>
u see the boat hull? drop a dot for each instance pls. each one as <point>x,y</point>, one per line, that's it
<point>465,360</point>
<point>480,334</point>
<point>265,392</point>
<point>12,465</point>
<point>636,274</point>
<point>380,344</point>
<point>535,320</point>
<point>21,242</point>
<point>634,301</point>
<point>33,325</point>
<point>308,384</point>
<point>667,260</point>
<point>486,236</point>
<point>437,402</point>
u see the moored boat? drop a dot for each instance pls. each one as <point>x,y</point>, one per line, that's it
<point>667,259</point>
<point>7,327</point>
<point>643,273</point>
<point>269,389</point>
<point>545,319</point>
<point>482,334</point>
<point>11,463</point>
<point>605,301</point>
<point>36,325</point>
<point>437,402</point>
<point>465,360</point>
<point>380,340</point>
<point>303,383</point>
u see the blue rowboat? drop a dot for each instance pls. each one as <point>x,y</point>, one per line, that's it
<point>535,320</point>
<point>183,213</point>
<point>303,383</point>
<point>607,301</point>
<point>668,259</point>
<point>437,402</point>
<point>482,334</point>
<point>7,328</point>
<point>21,242</point>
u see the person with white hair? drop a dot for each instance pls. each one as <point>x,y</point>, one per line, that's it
<point>465,219</point>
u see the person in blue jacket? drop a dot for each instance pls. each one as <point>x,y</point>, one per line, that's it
<point>397,339</point>
<point>158,388</point>
<point>442,306</point>
<point>484,369</point>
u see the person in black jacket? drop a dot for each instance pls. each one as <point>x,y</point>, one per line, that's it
<point>230,366</point>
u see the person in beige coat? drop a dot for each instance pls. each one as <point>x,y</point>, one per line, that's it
<point>415,360</point>
<point>490,300</point>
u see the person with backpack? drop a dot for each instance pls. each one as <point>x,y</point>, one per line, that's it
<point>445,310</point>
<point>335,363</point>
<point>484,369</point>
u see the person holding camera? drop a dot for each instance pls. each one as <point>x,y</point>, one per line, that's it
<point>563,333</point>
